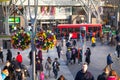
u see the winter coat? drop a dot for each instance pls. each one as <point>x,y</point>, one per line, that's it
<point>111,78</point>
<point>9,55</point>
<point>1,54</point>
<point>40,55</point>
<point>39,67</point>
<point>68,55</point>
<point>58,48</point>
<point>84,76</point>
<point>48,65</point>
<point>56,65</point>
<point>88,53</point>
<point>19,58</point>
<point>118,48</point>
<point>109,60</point>
<point>102,76</point>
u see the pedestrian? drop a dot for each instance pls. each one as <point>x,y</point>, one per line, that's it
<point>25,72</point>
<point>10,69</point>
<point>48,67</point>
<point>79,55</point>
<point>1,55</point>
<point>58,47</point>
<point>74,42</point>
<point>93,40</point>
<point>19,73</point>
<point>109,61</point>
<point>68,44</point>
<point>88,54</point>
<point>39,69</point>
<point>19,59</point>
<point>113,75</point>
<point>104,75</point>
<point>118,50</point>
<point>9,55</point>
<point>30,56</point>
<point>84,74</point>
<point>74,54</point>
<point>61,78</point>
<point>68,56</point>
<point>40,55</point>
<point>56,68</point>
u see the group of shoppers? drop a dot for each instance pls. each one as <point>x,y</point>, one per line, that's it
<point>14,69</point>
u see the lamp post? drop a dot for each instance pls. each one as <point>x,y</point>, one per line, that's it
<point>83,42</point>
<point>118,14</point>
<point>33,22</point>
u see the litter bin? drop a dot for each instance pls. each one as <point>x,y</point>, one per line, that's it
<point>6,44</point>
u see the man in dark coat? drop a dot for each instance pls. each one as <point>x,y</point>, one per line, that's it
<point>88,53</point>
<point>83,74</point>
<point>9,55</point>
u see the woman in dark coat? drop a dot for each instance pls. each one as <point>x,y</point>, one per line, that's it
<point>9,55</point>
<point>88,53</point>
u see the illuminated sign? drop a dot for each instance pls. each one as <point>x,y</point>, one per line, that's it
<point>14,19</point>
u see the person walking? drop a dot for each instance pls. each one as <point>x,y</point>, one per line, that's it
<point>30,56</point>
<point>40,55</point>
<point>1,55</point>
<point>84,74</point>
<point>118,50</point>
<point>19,59</point>
<point>39,70</point>
<point>74,54</point>
<point>58,47</point>
<point>48,67</point>
<point>9,55</point>
<point>88,54</point>
<point>79,55</point>
<point>113,75</point>
<point>68,56</point>
<point>104,75</point>
<point>93,40</point>
<point>10,69</point>
<point>56,68</point>
<point>74,42</point>
<point>109,61</point>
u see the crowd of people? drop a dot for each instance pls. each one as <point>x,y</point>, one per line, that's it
<point>15,69</point>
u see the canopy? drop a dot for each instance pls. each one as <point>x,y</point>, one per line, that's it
<point>4,0</point>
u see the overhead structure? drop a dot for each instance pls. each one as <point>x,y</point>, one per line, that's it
<point>92,7</point>
<point>4,0</point>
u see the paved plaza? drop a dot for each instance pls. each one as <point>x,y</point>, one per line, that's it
<point>98,60</point>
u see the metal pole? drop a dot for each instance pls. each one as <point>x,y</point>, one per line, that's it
<point>84,45</point>
<point>33,52</point>
<point>6,20</point>
<point>89,12</point>
<point>118,15</point>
